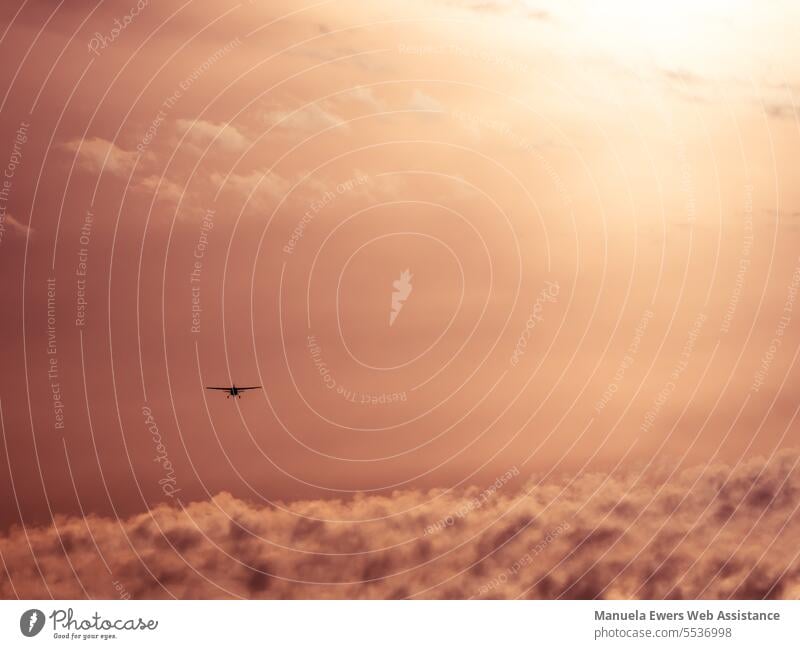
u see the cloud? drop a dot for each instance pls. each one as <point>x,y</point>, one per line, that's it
<point>421,101</point>
<point>366,96</point>
<point>712,532</point>
<point>266,187</point>
<point>96,154</point>
<point>782,111</point>
<point>311,118</point>
<point>9,224</point>
<point>224,134</point>
<point>167,190</point>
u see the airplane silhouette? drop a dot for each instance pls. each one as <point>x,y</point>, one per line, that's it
<point>234,390</point>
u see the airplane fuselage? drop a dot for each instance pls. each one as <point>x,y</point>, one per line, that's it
<point>234,390</point>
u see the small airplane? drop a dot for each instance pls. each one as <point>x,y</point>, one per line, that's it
<point>234,390</point>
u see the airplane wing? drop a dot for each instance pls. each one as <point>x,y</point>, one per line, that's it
<point>251,387</point>
<point>213,388</point>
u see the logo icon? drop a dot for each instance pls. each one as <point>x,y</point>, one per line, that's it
<point>402,289</point>
<point>31,622</point>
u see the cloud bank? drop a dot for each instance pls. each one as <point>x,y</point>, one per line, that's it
<point>711,532</point>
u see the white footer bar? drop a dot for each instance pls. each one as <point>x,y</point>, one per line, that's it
<point>401,624</point>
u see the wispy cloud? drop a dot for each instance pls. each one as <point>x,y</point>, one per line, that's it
<point>421,101</point>
<point>223,134</point>
<point>310,118</point>
<point>9,224</point>
<point>258,187</point>
<point>167,190</point>
<point>97,154</point>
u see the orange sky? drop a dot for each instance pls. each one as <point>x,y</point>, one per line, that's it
<point>598,209</point>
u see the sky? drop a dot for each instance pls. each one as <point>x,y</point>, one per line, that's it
<point>458,244</point>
